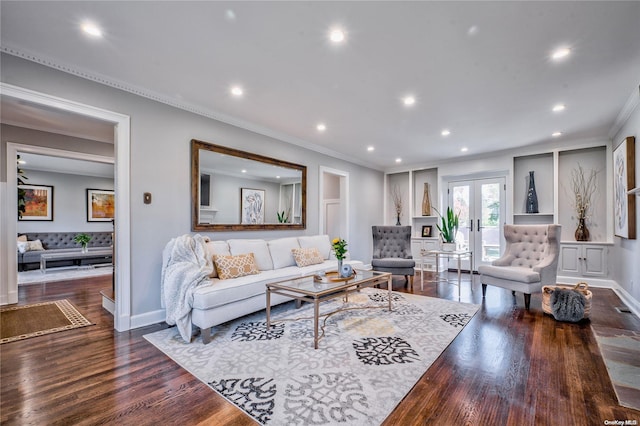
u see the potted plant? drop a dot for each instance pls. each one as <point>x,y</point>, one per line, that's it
<point>448,229</point>
<point>83,239</point>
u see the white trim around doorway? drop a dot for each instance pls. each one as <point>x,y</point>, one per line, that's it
<point>9,219</point>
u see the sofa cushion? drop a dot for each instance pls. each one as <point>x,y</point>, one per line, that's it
<point>216,247</point>
<point>307,256</point>
<point>235,266</point>
<point>25,246</point>
<point>321,242</point>
<point>280,250</point>
<point>259,249</point>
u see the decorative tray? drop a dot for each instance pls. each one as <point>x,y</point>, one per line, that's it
<point>332,276</point>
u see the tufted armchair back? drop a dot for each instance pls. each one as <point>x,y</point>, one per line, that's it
<point>529,245</point>
<point>391,241</point>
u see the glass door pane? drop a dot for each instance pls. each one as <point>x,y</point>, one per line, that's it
<point>461,204</point>
<point>491,219</point>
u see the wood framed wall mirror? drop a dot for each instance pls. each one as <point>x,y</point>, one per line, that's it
<point>233,190</point>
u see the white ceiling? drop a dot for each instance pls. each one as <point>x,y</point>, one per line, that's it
<point>481,69</point>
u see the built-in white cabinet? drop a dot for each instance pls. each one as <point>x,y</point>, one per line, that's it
<point>418,245</point>
<point>583,260</point>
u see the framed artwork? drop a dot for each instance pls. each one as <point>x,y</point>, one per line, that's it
<point>100,205</point>
<point>252,206</point>
<point>38,201</point>
<point>624,174</point>
<point>426,230</point>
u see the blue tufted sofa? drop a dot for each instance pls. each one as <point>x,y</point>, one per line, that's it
<point>62,242</point>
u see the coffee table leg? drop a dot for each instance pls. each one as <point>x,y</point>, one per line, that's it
<point>459,274</point>
<point>316,311</point>
<point>268,309</point>
<point>389,281</point>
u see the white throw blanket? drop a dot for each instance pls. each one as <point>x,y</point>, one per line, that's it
<point>185,266</point>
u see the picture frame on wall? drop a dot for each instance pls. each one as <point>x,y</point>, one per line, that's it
<point>38,201</point>
<point>624,174</point>
<point>100,205</point>
<point>426,231</point>
<point>252,206</point>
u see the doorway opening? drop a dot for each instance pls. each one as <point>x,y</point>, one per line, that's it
<point>9,219</point>
<point>334,203</point>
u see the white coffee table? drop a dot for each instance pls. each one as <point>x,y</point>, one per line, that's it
<point>73,255</point>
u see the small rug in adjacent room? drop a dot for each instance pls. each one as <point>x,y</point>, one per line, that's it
<point>620,350</point>
<point>61,274</point>
<point>38,319</point>
<point>366,362</point>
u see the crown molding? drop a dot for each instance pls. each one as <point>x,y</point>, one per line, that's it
<point>185,106</point>
<point>625,113</point>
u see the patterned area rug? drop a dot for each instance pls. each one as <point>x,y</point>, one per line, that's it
<point>366,362</point>
<point>38,319</point>
<point>621,352</point>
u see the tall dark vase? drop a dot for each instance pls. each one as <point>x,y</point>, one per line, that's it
<point>398,220</point>
<point>582,232</point>
<point>532,196</point>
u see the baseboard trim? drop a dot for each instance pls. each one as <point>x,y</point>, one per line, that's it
<point>627,299</point>
<point>148,318</point>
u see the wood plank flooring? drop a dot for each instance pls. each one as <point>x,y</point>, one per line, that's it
<point>508,366</point>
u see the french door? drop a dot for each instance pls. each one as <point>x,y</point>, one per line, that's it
<point>481,204</point>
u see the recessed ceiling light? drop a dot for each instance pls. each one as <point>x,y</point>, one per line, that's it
<point>370,148</point>
<point>398,160</point>
<point>92,29</point>
<point>445,132</point>
<point>464,149</point>
<point>409,100</point>
<point>560,53</point>
<point>556,134</point>
<point>473,30</point>
<point>244,171</point>
<point>277,177</point>
<point>559,107</point>
<point>336,35</point>
<point>237,91</point>
<point>321,127</point>
<point>22,162</point>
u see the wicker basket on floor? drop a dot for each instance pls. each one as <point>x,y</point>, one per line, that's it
<point>582,287</point>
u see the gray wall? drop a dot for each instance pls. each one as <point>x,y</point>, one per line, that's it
<point>160,162</point>
<point>626,253</point>
<point>69,203</point>
<point>50,140</point>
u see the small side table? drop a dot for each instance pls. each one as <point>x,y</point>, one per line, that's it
<point>458,254</point>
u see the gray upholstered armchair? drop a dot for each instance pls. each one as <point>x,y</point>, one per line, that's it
<point>392,251</point>
<point>529,262</point>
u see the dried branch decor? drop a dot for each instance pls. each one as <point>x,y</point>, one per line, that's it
<point>396,196</point>
<point>584,186</point>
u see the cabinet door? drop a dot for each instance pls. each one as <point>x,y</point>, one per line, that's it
<point>594,260</point>
<point>569,259</point>
<point>416,247</point>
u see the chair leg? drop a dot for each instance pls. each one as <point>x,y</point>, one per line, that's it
<point>484,290</point>
<point>527,301</point>
<point>411,281</point>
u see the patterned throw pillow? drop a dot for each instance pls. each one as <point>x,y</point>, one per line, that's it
<point>235,266</point>
<point>307,256</point>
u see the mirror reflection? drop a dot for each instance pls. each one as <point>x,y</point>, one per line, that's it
<point>238,190</point>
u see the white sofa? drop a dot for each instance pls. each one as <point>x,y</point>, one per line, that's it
<point>219,301</point>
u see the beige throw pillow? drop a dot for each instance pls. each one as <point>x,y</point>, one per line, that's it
<point>307,256</point>
<point>35,245</point>
<point>235,266</point>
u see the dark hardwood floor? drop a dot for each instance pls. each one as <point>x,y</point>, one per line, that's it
<point>508,366</point>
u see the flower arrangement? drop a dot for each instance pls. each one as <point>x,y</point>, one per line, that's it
<point>583,187</point>
<point>339,247</point>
